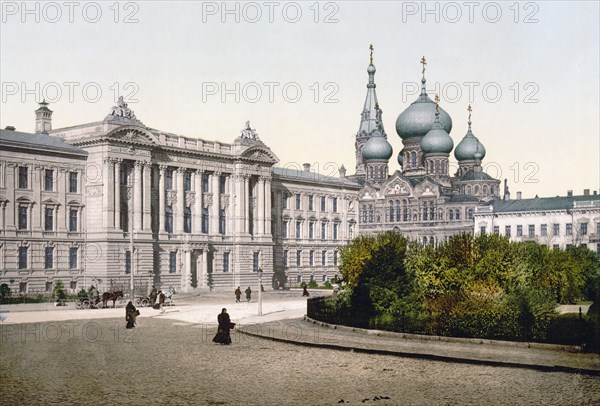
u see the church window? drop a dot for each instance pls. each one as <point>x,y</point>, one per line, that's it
<point>470,214</point>
<point>485,190</point>
<point>468,190</point>
<point>451,214</point>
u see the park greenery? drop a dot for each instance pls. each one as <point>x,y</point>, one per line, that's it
<point>481,286</point>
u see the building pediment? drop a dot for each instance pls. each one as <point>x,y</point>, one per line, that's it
<point>133,135</point>
<point>427,188</point>
<point>397,187</point>
<point>260,153</point>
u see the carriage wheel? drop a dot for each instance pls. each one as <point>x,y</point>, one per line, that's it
<point>85,304</point>
<point>145,302</point>
<point>78,305</point>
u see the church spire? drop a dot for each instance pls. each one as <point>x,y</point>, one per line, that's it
<point>423,80</point>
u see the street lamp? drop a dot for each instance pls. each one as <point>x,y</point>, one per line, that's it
<point>131,199</point>
<point>260,272</point>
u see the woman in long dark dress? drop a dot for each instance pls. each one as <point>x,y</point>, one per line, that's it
<point>130,315</point>
<point>223,336</point>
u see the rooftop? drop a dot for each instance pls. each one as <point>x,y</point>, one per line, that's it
<point>38,142</point>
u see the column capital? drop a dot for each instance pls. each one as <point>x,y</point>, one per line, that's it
<point>163,167</point>
<point>181,170</point>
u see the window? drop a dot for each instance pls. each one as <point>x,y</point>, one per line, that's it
<point>311,230</point>
<point>123,175</point>
<point>222,180</point>
<point>205,183</point>
<point>496,230</point>
<point>310,202</point>
<point>507,232</point>
<point>127,262</point>
<point>73,220</point>
<point>48,286</point>
<point>457,216</point>
<point>311,257</point>
<point>73,257</point>
<point>255,264</point>
<point>168,219</point>
<point>470,214</point>
<point>298,224</point>
<point>169,179</point>
<point>531,230</point>
<point>187,181</point>
<point>482,230</point>
<point>299,278</point>
<point>519,231</point>
<point>49,180</point>
<point>555,229</point>
<point>73,285</point>
<point>72,182</point>
<point>555,246</point>
<point>598,227</point>
<point>569,229</point>
<point>285,257</point>
<point>284,200</point>
<point>187,220</point>
<point>323,229</point>
<point>335,258</point>
<point>49,218</point>
<point>323,203</point>
<point>298,257</point>
<point>598,248</point>
<point>284,227</point>
<point>205,220</point>
<point>23,177</point>
<point>222,221</point>
<point>172,261</point>
<point>226,262</point>
<point>370,213</point>
<point>336,226</point>
<point>323,258</point>
<point>48,257</point>
<point>23,257</point>
<point>22,218</point>
<point>22,287</point>
<point>297,201</point>
<point>324,278</point>
<point>583,228</point>
<point>544,230</point>
<point>334,201</point>
<point>583,245</point>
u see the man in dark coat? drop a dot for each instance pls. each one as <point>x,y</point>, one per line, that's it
<point>130,314</point>
<point>238,294</point>
<point>248,293</point>
<point>223,335</point>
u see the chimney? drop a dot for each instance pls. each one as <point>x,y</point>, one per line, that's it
<point>342,171</point>
<point>586,192</point>
<point>306,167</point>
<point>506,192</point>
<point>10,128</point>
<point>518,195</point>
<point>43,118</point>
<point>569,193</point>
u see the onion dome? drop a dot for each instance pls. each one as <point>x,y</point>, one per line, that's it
<point>401,158</point>
<point>376,148</point>
<point>469,146</point>
<point>419,117</point>
<point>437,140</point>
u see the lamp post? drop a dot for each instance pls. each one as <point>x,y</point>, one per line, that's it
<point>260,272</point>
<point>131,197</point>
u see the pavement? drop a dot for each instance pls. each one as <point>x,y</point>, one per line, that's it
<point>283,319</point>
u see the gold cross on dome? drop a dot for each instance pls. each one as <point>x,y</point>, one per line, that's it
<point>437,99</point>
<point>423,62</point>
<point>372,49</point>
<point>469,109</point>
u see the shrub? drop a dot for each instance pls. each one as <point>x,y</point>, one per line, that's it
<point>5,291</point>
<point>572,329</point>
<point>328,285</point>
<point>313,284</point>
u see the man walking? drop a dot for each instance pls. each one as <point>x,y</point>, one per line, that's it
<point>238,294</point>
<point>248,293</point>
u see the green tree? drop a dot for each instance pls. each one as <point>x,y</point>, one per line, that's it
<point>58,288</point>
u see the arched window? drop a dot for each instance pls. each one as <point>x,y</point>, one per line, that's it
<point>457,214</point>
<point>397,210</point>
<point>437,166</point>
<point>405,211</point>
<point>476,189</point>
<point>431,241</point>
<point>413,159</point>
<point>391,209</point>
<point>485,190</point>
<point>424,240</point>
<point>468,190</point>
<point>424,211</point>
<point>370,213</point>
<point>431,211</point>
<point>470,214</point>
<point>451,214</point>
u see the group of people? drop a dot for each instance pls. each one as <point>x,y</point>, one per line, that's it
<point>157,300</point>
<point>238,294</point>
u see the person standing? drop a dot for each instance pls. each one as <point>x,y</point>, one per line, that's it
<point>305,292</point>
<point>152,295</point>
<point>248,293</point>
<point>130,314</point>
<point>223,335</point>
<point>238,294</point>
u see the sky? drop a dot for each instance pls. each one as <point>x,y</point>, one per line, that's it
<point>297,71</point>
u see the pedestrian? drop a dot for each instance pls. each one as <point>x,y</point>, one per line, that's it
<point>305,292</point>
<point>238,294</point>
<point>160,301</point>
<point>248,293</point>
<point>152,295</point>
<point>223,335</point>
<point>130,314</point>
<point>262,288</point>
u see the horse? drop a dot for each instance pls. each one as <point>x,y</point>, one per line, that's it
<point>106,296</point>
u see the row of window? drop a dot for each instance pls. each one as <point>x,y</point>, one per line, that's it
<point>299,278</point>
<point>24,222</point>
<point>49,180</point>
<point>311,229</point>
<point>555,231</point>
<point>310,202</point>
<point>187,181</point>
<point>402,213</point>
<point>311,258</point>
<point>187,220</point>
<point>49,257</point>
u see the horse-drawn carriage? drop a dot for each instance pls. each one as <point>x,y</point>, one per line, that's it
<point>93,302</point>
<point>150,300</point>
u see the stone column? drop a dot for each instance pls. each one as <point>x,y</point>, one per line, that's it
<point>178,213</point>
<point>3,216</point>
<point>187,266</point>
<point>197,209</point>
<point>202,273</point>
<point>136,179</point>
<point>117,190</point>
<point>161,198</point>
<point>214,209</point>
<point>268,206</point>
<point>108,193</point>
<point>260,202</point>
<point>247,204</point>
<point>147,200</point>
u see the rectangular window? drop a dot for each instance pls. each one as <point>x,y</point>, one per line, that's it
<point>555,229</point>
<point>168,219</point>
<point>48,286</point>
<point>335,258</point>
<point>49,218</point>
<point>285,258</point>
<point>23,218</point>
<point>169,179</point>
<point>226,262</point>
<point>519,231</point>
<point>284,226</point>
<point>544,230</point>
<point>255,264</point>
<point>284,200</point>
<point>507,231</point>
<point>334,201</point>
<point>222,221</point>
<point>555,246</point>
<point>22,287</point>
<point>49,180</point>
<point>569,229</point>
<point>23,257</point>
<point>187,220</point>
<point>205,220</point>
<point>187,181</point>
<point>323,229</point>
<point>583,245</point>
<point>172,261</point>
<point>298,225</point>
<point>297,201</point>
<point>323,258</point>
<point>323,203</point>
<point>205,183</point>
<point>73,220</point>
<point>496,230</point>
<point>72,257</point>
<point>336,226</point>
<point>583,229</point>
<point>298,257</point>
<point>531,230</point>
<point>310,202</point>
<point>48,258</point>
<point>127,262</point>
<point>23,177</point>
<point>311,230</point>
<point>222,185</point>
<point>72,182</point>
<point>598,228</point>
<point>598,248</point>
<point>311,258</point>
<point>482,230</point>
